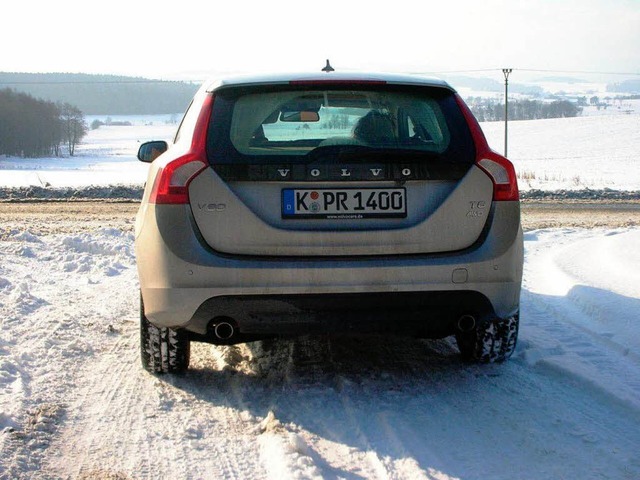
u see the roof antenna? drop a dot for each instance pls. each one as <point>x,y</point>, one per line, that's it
<point>328,68</point>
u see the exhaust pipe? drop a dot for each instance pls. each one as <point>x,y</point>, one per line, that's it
<point>224,330</point>
<point>466,323</point>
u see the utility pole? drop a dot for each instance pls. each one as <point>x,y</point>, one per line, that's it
<point>506,72</point>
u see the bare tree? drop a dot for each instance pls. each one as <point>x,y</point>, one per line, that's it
<point>74,128</point>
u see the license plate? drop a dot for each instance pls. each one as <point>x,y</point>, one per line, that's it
<point>344,203</point>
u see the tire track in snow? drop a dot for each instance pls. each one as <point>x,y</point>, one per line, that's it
<point>102,413</point>
<point>230,432</point>
<point>389,452</point>
<point>558,326</point>
<point>324,389</point>
<point>262,365</point>
<point>368,429</point>
<point>399,408</point>
<point>148,427</point>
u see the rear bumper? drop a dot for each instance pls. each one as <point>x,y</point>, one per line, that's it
<point>424,314</point>
<point>185,284</point>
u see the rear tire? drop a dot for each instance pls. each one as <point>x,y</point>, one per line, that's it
<point>493,342</point>
<point>162,349</point>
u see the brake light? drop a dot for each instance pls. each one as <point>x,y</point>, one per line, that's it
<point>172,182</point>
<point>339,82</point>
<point>497,167</point>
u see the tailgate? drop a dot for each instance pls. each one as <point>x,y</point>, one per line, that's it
<point>249,218</point>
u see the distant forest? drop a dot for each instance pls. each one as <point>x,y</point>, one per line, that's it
<point>628,86</point>
<point>490,110</point>
<point>104,94</point>
<point>30,127</point>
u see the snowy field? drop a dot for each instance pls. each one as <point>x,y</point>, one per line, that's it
<point>593,152</point>
<point>75,403</point>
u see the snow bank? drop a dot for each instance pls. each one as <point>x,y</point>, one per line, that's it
<point>584,287</point>
<point>594,270</point>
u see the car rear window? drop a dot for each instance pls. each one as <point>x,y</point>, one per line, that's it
<point>275,124</point>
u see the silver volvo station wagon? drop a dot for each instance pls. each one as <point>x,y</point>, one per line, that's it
<point>322,203</point>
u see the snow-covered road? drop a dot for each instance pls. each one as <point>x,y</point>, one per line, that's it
<point>74,402</point>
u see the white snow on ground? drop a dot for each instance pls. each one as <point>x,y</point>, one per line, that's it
<point>567,153</point>
<point>75,403</point>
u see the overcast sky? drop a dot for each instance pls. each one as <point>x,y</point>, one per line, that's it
<point>190,39</point>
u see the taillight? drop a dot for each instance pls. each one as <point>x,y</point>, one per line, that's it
<point>172,182</point>
<point>499,168</point>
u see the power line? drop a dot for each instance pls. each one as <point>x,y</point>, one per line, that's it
<point>581,72</point>
<point>89,82</point>
<point>463,71</point>
<point>533,70</point>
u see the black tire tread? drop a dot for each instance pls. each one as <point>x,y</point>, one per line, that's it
<point>162,350</point>
<point>494,342</point>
